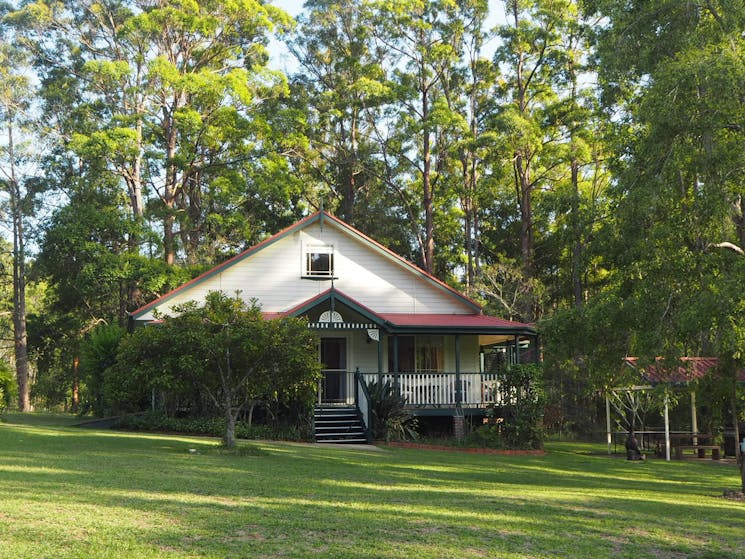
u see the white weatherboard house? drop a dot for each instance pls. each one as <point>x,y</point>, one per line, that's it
<point>378,317</point>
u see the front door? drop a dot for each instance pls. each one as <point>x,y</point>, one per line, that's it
<point>333,388</point>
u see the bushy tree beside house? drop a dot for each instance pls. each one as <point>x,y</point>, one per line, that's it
<point>226,351</point>
<point>516,420</point>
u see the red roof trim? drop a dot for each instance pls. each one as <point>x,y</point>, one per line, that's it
<point>220,267</point>
<point>454,320</point>
<point>689,369</point>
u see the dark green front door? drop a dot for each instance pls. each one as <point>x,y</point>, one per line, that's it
<point>334,363</point>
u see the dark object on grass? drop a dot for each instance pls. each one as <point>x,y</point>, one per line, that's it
<point>632,448</point>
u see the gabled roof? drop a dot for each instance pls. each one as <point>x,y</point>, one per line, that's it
<point>413,322</point>
<point>688,369</point>
<point>339,297</point>
<point>323,218</point>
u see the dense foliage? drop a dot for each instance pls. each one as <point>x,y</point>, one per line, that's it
<point>516,421</point>
<point>8,388</point>
<point>221,356</point>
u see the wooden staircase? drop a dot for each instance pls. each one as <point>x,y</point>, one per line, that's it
<point>339,424</point>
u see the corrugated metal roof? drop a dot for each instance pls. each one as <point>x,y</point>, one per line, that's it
<point>454,320</point>
<point>689,369</point>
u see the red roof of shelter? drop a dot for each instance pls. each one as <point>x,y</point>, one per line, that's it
<point>689,369</point>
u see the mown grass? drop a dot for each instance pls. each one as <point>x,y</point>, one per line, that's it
<point>67,492</point>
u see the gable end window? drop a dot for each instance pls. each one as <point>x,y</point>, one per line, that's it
<point>319,262</point>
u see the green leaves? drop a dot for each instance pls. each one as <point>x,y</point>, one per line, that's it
<point>228,350</point>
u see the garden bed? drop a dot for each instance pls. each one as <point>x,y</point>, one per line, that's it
<point>474,450</point>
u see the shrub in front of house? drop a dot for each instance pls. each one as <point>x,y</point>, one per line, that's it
<point>8,386</point>
<point>207,426</point>
<point>516,422</point>
<point>391,420</point>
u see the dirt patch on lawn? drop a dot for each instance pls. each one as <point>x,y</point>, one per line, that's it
<point>734,495</point>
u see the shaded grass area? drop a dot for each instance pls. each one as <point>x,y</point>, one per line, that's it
<point>72,493</point>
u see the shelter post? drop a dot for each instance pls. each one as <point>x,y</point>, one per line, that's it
<point>607,424</point>
<point>667,428</point>
<point>694,418</point>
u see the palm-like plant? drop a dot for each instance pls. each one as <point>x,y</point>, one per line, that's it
<point>390,418</point>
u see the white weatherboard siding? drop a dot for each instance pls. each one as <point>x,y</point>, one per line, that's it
<point>272,275</point>
<point>376,280</point>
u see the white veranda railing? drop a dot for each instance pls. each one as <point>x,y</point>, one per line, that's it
<point>443,389</point>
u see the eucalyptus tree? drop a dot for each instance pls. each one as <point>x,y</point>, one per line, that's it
<point>529,57</point>
<point>472,145</point>
<point>15,95</point>
<point>577,198</point>
<point>340,81</point>
<point>422,42</point>
<point>540,159</point>
<point>175,88</point>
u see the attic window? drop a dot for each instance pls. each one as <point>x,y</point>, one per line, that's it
<point>319,261</point>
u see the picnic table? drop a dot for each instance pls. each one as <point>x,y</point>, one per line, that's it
<point>682,442</point>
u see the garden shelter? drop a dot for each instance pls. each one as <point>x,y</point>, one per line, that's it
<point>688,370</point>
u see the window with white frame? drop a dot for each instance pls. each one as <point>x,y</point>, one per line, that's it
<point>318,261</point>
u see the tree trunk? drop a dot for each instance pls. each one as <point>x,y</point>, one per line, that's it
<point>171,187</point>
<point>427,194</point>
<point>75,399</point>
<point>576,238</point>
<point>740,455</point>
<point>19,323</point>
<point>251,408</point>
<point>228,440</point>
<point>347,170</point>
<point>19,282</point>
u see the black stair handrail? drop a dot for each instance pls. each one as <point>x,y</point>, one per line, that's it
<point>362,399</point>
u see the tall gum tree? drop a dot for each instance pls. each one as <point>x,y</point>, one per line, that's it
<point>477,83</point>
<point>15,93</point>
<point>341,84</point>
<point>422,41</point>
<point>529,57</point>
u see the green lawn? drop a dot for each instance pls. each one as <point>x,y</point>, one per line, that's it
<point>67,492</point>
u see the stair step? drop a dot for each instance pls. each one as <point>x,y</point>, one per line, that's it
<point>339,424</point>
<point>342,441</point>
<point>355,433</point>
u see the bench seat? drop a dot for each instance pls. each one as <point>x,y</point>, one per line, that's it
<point>699,449</point>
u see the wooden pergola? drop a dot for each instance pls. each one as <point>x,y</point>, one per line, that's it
<point>689,369</point>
